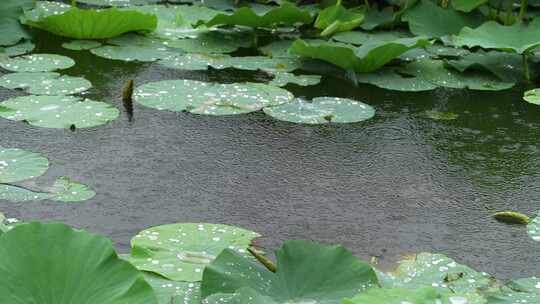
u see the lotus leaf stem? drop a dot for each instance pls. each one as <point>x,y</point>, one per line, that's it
<point>522,9</point>
<point>526,73</point>
<point>263,260</point>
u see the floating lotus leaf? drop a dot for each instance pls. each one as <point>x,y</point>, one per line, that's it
<point>80,45</point>
<point>306,273</point>
<point>518,38</point>
<point>337,18</point>
<point>18,49</point>
<point>467,5</point>
<point>173,292</point>
<point>36,63</point>
<point>47,83</point>
<point>212,42</point>
<point>58,111</point>
<point>180,252</point>
<point>95,24</point>
<point>44,9</point>
<point>6,224</point>
<point>278,49</point>
<point>67,190</point>
<point>322,110</point>
<point>55,264</point>
<point>210,98</point>
<point>518,292</point>
<point>430,20</point>
<point>360,38</point>
<point>118,2</point>
<point>392,78</point>
<point>131,53</point>
<point>286,14</point>
<point>441,51</point>
<point>532,96</point>
<point>533,228</point>
<point>367,58</point>
<point>18,165</point>
<point>437,115</point>
<point>252,63</point>
<point>283,78</point>
<point>424,295</point>
<point>506,66</point>
<point>17,194</point>
<point>11,31</point>
<point>375,18</point>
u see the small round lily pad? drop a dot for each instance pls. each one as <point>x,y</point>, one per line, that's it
<point>18,165</point>
<point>67,190</point>
<point>322,110</point>
<point>80,45</point>
<point>37,63</point>
<point>532,96</point>
<point>58,111</point>
<point>180,252</point>
<point>18,49</point>
<point>45,83</point>
<point>282,79</point>
<point>210,98</point>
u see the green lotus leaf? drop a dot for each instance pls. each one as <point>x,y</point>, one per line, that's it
<point>439,271</point>
<point>119,3</point>
<point>532,96</point>
<point>286,14</point>
<point>210,98</point>
<point>278,49</point>
<point>44,9</point>
<point>16,194</point>
<point>375,18</point>
<point>322,110</point>
<point>252,63</point>
<point>36,63</point>
<point>506,66</point>
<point>6,224</point>
<point>367,58</point>
<point>442,51</point>
<point>467,5</point>
<point>80,45</point>
<point>173,292</point>
<point>437,115</point>
<point>67,190</point>
<point>518,38</point>
<point>180,252</point>
<point>95,24</point>
<point>58,111</point>
<point>306,273</point>
<point>11,31</point>
<point>517,292</point>
<point>430,20</point>
<point>337,18</point>
<point>46,83</point>
<point>424,295</point>
<point>212,42</point>
<point>533,228</point>
<point>360,38</point>
<point>55,264</point>
<point>131,53</point>
<point>18,49</point>
<point>392,78</point>
<point>282,79</point>
<point>18,165</point>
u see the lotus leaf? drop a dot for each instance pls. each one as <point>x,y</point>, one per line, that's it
<point>367,58</point>
<point>533,228</point>
<point>286,14</point>
<point>359,38</point>
<point>278,49</point>
<point>518,292</point>
<point>95,24</point>
<point>392,78</point>
<point>18,194</point>
<point>306,273</point>
<point>424,295</point>
<point>505,66</point>
<point>467,5</point>
<point>173,292</point>
<point>18,165</point>
<point>283,78</point>
<point>47,83</point>
<point>131,53</point>
<point>66,190</point>
<point>337,18</point>
<point>532,96</point>
<point>58,111</point>
<point>55,264</point>
<point>7,224</point>
<point>11,31</point>
<point>118,2</point>
<point>44,9</point>
<point>180,252</point>
<point>375,18</point>
<point>36,63</point>
<point>18,49</point>
<point>429,19</point>
<point>212,42</point>
<point>79,45</point>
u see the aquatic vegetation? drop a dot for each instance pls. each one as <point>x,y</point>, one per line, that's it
<point>18,49</point>
<point>532,96</point>
<point>321,110</point>
<point>11,31</point>
<point>337,18</point>
<point>396,296</point>
<point>220,61</point>
<point>533,228</point>
<point>511,217</point>
<point>36,63</point>
<point>282,79</point>
<point>45,83</point>
<point>17,165</point>
<point>80,45</point>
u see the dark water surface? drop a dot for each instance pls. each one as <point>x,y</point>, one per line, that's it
<point>397,184</point>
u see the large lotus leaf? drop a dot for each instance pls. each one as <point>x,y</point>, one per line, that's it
<point>467,5</point>
<point>337,18</point>
<point>64,190</point>
<point>278,49</point>
<point>44,9</point>
<point>36,63</point>
<point>212,42</point>
<point>519,38</point>
<point>18,49</point>
<point>18,165</point>
<point>429,19</point>
<point>118,2</point>
<point>55,264</point>
<point>322,110</point>
<point>392,78</point>
<point>306,273</point>
<point>533,229</point>
<point>367,58</point>
<point>79,45</point>
<point>58,111</point>
<point>286,14</point>
<point>181,252</point>
<point>173,292</point>
<point>252,63</point>
<point>375,18</point>
<point>210,98</point>
<point>95,24</point>
<point>282,79</point>
<point>424,295</point>
<point>11,31</point>
<point>506,66</point>
<point>518,292</point>
<point>47,83</point>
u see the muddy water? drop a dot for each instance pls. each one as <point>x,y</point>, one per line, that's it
<point>397,184</point>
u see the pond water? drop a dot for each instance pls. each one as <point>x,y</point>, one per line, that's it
<point>397,184</point>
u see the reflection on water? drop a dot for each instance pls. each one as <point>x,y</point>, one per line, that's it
<point>397,184</point>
